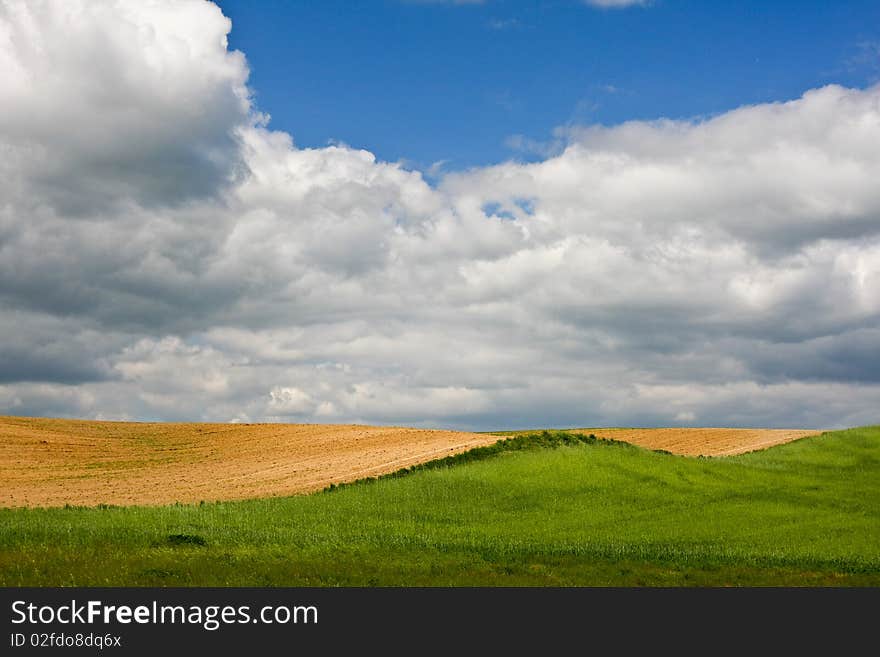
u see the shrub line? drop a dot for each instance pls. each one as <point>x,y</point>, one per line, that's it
<point>530,441</point>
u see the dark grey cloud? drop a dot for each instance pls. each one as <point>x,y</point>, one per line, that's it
<point>851,357</point>
<point>52,362</point>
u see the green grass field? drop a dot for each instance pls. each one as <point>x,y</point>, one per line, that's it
<point>580,513</point>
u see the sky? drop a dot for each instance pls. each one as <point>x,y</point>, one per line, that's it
<point>472,84</point>
<point>475,215</point>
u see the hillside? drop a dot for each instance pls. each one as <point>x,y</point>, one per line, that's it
<point>583,513</point>
<point>53,462</point>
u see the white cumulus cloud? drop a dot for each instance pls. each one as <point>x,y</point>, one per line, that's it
<point>164,254</point>
<point>615,4</point>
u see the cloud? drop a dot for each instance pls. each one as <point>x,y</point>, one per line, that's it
<point>501,24</point>
<point>112,101</point>
<point>867,58</point>
<point>529,146</point>
<point>616,4</point>
<point>164,254</point>
<point>444,2</point>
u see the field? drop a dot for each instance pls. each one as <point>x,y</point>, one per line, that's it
<point>47,462</point>
<point>704,442</point>
<point>546,509</point>
<point>51,462</point>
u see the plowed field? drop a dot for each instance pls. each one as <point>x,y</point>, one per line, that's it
<point>705,442</point>
<point>46,462</point>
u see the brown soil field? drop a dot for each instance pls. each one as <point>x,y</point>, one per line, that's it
<point>48,462</point>
<point>706,441</point>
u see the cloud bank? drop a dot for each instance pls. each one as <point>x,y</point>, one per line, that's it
<point>164,254</point>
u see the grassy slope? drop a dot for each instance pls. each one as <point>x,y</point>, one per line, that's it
<point>607,514</point>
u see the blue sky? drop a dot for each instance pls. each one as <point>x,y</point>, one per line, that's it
<point>423,82</point>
